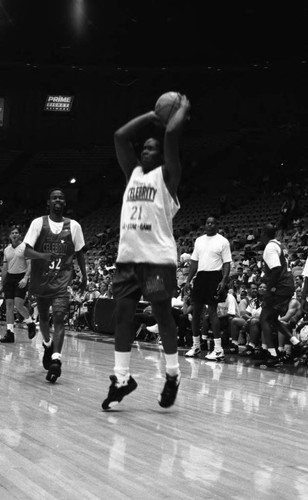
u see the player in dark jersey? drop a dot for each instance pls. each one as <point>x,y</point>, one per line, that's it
<point>280,285</point>
<point>52,241</point>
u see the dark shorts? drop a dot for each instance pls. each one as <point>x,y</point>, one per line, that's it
<point>205,287</point>
<point>154,282</point>
<point>11,288</point>
<point>58,304</point>
<point>277,303</point>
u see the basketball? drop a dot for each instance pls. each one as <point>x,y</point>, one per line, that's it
<point>166,105</point>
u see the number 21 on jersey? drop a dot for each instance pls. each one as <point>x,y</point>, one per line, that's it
<point>136,212</point>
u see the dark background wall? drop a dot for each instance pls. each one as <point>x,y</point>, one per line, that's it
<point>245,75</point>
<point>222,101</point>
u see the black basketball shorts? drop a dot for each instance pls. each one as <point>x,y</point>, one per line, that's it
<point>11,288</point>
<point>205,287</point>
<point>58,304</point>
<point>154,282</point>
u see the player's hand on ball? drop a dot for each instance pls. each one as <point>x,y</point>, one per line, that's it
<point>156,120</point>
<point>185,103</point>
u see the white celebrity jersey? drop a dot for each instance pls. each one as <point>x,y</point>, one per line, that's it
<point>146,231</point>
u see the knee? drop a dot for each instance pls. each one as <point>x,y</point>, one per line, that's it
<point>58,317</point>
<point>254,322</point>
<point>236,322</point>
<point>18,303</point>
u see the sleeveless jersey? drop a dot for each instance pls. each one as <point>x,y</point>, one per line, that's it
<point>146,231</point>
<point>285,284</point>
<point>50,279</point>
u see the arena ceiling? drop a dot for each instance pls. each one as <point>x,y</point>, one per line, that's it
<point>120,34</point>
<point>151,32</point>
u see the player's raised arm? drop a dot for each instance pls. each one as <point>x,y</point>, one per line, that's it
<point>124,139</point>
<point>174,128</point>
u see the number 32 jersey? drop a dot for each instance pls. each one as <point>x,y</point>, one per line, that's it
<point>50,279</point>
<point>146,230</point>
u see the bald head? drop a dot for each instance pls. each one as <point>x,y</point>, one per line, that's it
<point>268,232</point>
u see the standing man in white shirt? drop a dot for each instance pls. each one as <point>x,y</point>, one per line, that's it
<point>52,241</point>
<point>15,275</point>
<point>211,260</point>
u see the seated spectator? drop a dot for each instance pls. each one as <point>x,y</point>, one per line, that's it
<point>183,317</point>
<point>250,239</point>
<point>249,275</point>
<point>144,318</point>
<point>256,274</point>
<point>240,273</point>
<point>184,258</point>
<point>297,268</point>
<point>181,310</point>
<point>152,334</point>
<point>299,282</point>
<point>244,295</point>
<point>291,319</point>
<point>299,233</point>
<point>253,327</point>
<point>91,293</point>
<point>105,290</point>
<point>244,281</point>
<point>226,311</point>
<point>236,289</point>
<point>83,314</point>
<point>75,302</point>
<point>249,312</point>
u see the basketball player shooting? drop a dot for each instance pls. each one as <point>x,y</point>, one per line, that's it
<point>147,255</point>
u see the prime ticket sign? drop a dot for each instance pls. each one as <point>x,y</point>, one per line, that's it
<point>59,103</point>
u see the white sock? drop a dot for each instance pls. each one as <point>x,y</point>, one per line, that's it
<point>217,344</point>
<point>47,344</point>
<point>172,364</point>
<point>10,327</point>
<point>280,349</point>
<point>56,355</point>
<point>294,340</point>
<point>264,346</point>
<point>196,342</point>
<point>121,366</point>
<point>272,351</point>
<point>252,344</point>
<point>28,320</point>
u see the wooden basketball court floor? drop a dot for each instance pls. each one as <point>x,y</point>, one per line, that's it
<point>235,432</point>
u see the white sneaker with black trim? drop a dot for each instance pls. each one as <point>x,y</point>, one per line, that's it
<point>215,355</point>
<point>193,351</point>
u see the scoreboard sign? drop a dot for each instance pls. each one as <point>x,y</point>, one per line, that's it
<point>59,103</point>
